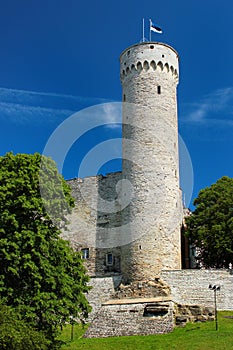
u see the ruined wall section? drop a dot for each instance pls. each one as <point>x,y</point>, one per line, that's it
<point>102,290</point>
<point>132,318</point>
<point>93,226</point>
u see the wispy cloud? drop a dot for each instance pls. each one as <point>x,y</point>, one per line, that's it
<point>23,107</point>
<point>113,115</point>
<point>215,108</point>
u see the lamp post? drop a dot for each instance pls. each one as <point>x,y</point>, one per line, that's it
<point>215,288</point>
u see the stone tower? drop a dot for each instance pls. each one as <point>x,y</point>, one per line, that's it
<point>150,169</point>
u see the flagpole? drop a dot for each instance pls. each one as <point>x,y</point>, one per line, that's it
<point>150,28</point>
<point>143,31</point>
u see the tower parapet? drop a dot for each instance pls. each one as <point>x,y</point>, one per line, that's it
<point>149,56</point>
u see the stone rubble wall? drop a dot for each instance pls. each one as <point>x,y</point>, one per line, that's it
<point>192,287</point>
<point>143,289</point>
<point>102,290</point>
<point>193,313</point>
<point>128,319</point>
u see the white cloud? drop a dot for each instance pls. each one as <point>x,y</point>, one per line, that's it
<point>215,108</point>
<point>113,115</point>
<point>23,107</point>
<point>23,114</point>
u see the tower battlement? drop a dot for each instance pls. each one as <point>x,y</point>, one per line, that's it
<point>149,56</point>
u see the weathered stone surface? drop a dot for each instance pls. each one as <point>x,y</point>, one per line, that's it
<point>192,287</point>
<point>149,289</point>
<point>181,320</point>
<point>150,160</point>
<point>102,289</point>
<point>128,319</point>
<point>192,313</point>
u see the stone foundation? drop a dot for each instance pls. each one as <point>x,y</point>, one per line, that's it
<point>192,313</point>
<point>132,317</point>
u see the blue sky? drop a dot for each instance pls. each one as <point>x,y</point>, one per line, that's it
<point>60,56</point>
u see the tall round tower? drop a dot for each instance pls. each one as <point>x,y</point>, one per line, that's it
<point>152,220</point>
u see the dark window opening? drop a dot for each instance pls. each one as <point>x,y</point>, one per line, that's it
<point>152,47</point>
<point>163,56</point>
<point>124,98</point>
<point>159,90</point>
<point>155,310</point>
<point>85,253</point>
<point>109,259</point>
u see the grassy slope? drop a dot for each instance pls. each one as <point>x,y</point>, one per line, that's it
<point>197,336</point>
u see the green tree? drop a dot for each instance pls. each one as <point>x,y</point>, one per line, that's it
<point>40,274</point>
<point>16,334</point>
<point>210,226</point>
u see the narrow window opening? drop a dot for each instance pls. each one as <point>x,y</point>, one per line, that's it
<point>109,259</point>
<point>159,90</point>
<point>128,52</point>
<point>140,247</point>
<point>146,66</point>
<point>139,66</point>
<point>163,56</point>
<point>85,253</point>
<point>124,98</point>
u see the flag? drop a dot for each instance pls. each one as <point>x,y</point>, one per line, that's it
<point>154,28</point>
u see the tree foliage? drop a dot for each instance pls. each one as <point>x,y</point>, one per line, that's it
<point>210,226</point>
<point>40,274</point>
<point>16,334</point>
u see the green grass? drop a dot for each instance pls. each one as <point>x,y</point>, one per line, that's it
<point>195,336</point>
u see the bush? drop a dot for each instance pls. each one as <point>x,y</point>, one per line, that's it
<point>16,334</point>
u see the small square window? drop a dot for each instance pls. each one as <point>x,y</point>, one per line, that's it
<point>85,253</point>
<point>109,259</point>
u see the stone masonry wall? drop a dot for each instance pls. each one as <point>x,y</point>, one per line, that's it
<point>149,76</point>
<point>130,319</point>
<point>191,287</point>
<point>93,225</point>
<point>102,289</point>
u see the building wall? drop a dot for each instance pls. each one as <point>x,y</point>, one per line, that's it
<point>95,222</point>
<point>192,287</point>
<point>102,290</point>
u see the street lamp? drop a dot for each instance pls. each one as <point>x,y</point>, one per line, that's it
<point>215,288</point>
